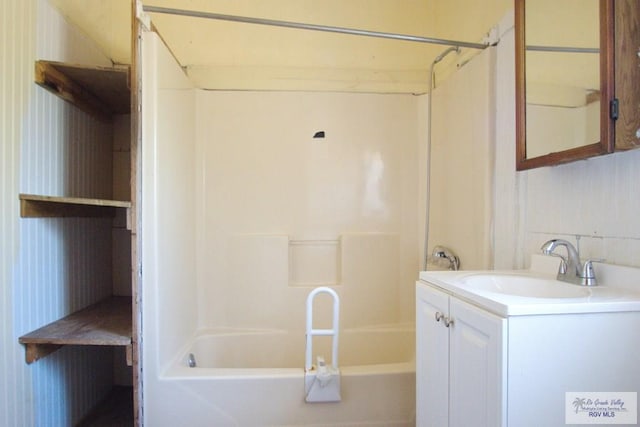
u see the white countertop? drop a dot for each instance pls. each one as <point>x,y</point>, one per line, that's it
<point>618,291</point>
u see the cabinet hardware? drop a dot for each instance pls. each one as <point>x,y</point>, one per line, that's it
<point>439,316</point>
<point>448,322</point>
<point>614,109</point>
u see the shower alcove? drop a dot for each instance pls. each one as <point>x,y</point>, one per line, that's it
<point>244,214</point>
<point>246,209</point>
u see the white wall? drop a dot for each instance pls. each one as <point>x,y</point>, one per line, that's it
<point>50,148</point>
<point>508,216</point>
<point>596,199</point>
<point>17,47</point>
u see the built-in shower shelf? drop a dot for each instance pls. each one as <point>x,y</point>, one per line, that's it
<point>34,206</point>
<point>107,323</point>
<point>99,91</point>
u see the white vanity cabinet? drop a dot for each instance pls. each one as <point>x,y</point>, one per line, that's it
<point>516,370</point>
<point>460,353</point>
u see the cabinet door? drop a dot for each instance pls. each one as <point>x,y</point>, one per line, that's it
<point>477,366</point>
<point>432,358</point>
<point>627,73</point>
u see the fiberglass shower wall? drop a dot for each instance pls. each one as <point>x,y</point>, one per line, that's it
<point>245,211</point>
<point>280,211</point>
<point>462,162</point>
<point>168,200</point>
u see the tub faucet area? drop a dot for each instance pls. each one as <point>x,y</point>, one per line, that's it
<point>448,254</point>
<point>571,269</point>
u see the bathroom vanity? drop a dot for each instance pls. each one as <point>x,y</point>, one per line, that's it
<point>513,348</point>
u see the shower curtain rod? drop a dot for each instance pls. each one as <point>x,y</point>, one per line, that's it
<point>564,49</point>
<point>313,27</point>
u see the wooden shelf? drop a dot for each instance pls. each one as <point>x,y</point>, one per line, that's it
<point>99,91</point>
<point>105,323</point>
<point>33,206</point>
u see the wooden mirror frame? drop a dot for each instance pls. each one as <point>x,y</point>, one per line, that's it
<point>607,140</point>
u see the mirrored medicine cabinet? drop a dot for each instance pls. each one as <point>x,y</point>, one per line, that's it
<point>564,81</point>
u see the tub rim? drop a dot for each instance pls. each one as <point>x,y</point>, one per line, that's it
<point>177,370</point>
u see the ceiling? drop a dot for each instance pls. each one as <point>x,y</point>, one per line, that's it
<point>231,55</point>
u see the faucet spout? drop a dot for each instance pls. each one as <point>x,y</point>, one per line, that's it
<point>571,269</point>
<point>572,260</point>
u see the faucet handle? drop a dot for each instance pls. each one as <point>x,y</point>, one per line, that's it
<point>588,277</point>
<point>562,268</point>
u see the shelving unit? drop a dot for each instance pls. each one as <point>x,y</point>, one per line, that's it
<point>105,323</point>
<point>34,206</point>
<point>102,92</point>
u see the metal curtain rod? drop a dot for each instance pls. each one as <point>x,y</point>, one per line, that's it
<point>314,27</point>
<point>564,49</point>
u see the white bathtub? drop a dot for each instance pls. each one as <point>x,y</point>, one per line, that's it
<point>256,378</point>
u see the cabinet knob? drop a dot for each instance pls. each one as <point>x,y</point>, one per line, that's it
<point>448,322</point>
<point>439,316</point>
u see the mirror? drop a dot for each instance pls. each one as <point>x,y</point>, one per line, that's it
<point>564,80</point>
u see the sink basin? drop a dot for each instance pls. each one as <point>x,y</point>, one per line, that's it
<point>524,286</point>
<point>536,291</point>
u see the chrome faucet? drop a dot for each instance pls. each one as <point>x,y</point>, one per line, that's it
<point>571,270</point>
<point>443,252</point>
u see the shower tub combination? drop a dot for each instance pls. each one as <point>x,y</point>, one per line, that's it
<point>256,378</point>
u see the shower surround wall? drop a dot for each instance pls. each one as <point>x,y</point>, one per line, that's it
<point>462,146</point>
<point>244,212</point>
<point>271,211</point>
<point>280,211</point>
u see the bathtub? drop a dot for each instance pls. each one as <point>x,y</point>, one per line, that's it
<point>256,378</point>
